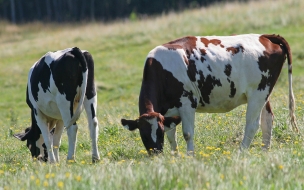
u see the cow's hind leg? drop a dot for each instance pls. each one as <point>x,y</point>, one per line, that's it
<point>187,114</point>
<point>90,108</point>
<point>71,131</point>
<point>57,138</point>
<point>253,116</point>
<point>266,125</point>
<point>171,135</point>
<point>72,138</point>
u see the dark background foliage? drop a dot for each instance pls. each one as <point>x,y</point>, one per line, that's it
<point>22,11</point>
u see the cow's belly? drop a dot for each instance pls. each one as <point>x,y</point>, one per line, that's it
<point>48,105</point>
<point>50,109</point>
<point>222,105</point>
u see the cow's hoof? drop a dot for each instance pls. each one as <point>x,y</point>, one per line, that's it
<point>52,162</point>
<point>95,160</point>
<point>175,153</point>
<point>71,161</point>
<point>190,153</point>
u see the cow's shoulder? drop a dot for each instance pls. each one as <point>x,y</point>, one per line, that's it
<point>39,73</point>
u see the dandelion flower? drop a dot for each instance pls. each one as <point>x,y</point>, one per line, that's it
<point>78,178</point>
<point>60,184</point>
<point>45,184</point>
<point>47,176</point>
<point>67,175</point>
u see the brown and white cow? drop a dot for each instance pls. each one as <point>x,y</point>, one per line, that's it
<point>212,74</point>
<point>60,85</point>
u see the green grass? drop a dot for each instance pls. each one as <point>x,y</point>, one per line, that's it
<point>119,51</point>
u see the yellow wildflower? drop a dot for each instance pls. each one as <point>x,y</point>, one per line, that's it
<point>60,184</point>
<point>78,178</point>
<point>142,152</point>
<point>209,148</point>
<point>45,184</point>
<point>207,184</point>
<point>67,174</point>
<point>37,182</point>
<point>71,161</point>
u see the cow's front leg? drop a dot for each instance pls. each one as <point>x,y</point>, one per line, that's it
<point>188,115</point>
<point>172,119</point>
<point>171,135</point>
<point>72,138</point>
<point>57,138</point>
<point>48,140</point>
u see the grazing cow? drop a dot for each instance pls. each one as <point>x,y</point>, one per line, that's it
<point>212,74</point>
<point>59,86</point>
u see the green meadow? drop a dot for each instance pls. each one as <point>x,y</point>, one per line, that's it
<point>119,50</point>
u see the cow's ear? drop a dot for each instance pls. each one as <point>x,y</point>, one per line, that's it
<point>130,124</point>
<point>22,136</point>
<point>171,122</point>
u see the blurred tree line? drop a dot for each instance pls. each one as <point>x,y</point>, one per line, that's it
<point>21,11</point>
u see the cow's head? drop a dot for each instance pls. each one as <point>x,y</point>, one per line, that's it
<point>151,128</point>
<point>35,143</point>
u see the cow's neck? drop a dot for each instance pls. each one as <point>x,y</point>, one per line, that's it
<point>151,90</point>
<point>149,100</point>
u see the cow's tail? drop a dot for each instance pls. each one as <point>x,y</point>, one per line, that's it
<point>291,95</point>
<point>277,39</point>
<point>78,54</point>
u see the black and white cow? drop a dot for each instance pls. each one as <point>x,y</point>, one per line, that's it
<point>212,74</point>
<point>59,86</point>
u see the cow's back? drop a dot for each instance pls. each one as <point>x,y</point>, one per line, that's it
<point>216,73</point>
<point>54,81</point>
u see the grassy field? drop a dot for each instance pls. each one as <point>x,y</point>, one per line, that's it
<point>119,51</point>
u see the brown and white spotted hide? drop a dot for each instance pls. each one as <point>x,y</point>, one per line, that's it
<point>212,74</point>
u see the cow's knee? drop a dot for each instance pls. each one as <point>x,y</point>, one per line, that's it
<point>73,129</point>
<point>95,123</point>
<point>187,136</point>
